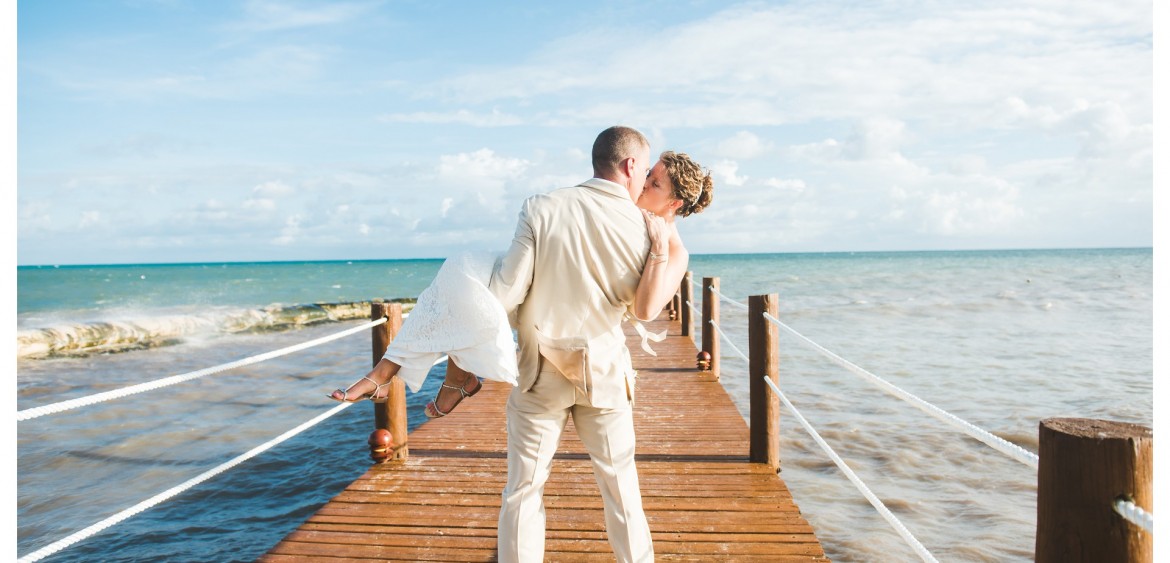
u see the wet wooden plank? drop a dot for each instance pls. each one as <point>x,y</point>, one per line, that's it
<point>702,498</point>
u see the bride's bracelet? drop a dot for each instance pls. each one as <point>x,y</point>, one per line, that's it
<point>656,258</point>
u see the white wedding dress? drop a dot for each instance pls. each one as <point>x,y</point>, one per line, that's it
<point>458,316</point>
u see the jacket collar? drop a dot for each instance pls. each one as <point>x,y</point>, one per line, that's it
<point>608,187</point>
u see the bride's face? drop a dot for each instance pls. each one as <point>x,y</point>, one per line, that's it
<point>658,195</point>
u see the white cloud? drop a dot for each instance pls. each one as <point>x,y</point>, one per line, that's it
<point>827,149</point>
<point>964,164</point>
<point>887,193</point>
<point>259,204</point>
<point>290,231</point>
<point>249,75</point>
<point>271,15</point>
<point>470,197</point>
<point>727,172</point>
<point>794,185</point>
<point>138,87</point>
<point>144,145</point>
<point>988,211</point>
<point>493,119</point>
<point>758,64</point>
<point>481,167</point>
<point>274,188</point>
<point>577,155</point>
<point>1101,128</point>
<point>744,145</point>
<point>874,138</point>
<point>34,216</point>
<point>265,196</point>
<point>271,69</point>
<point>549,181</point>
<point>89,219</point>
<point>720,111</point>
<point>750,210</point>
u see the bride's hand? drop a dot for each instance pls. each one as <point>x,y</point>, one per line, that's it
<point>659,232</point>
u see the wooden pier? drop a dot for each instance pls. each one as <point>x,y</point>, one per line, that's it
<point>703,498</point>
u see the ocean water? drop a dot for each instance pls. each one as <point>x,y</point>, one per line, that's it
<point>1002,339</point>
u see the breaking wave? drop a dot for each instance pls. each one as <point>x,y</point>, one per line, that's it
<point>102,337</point>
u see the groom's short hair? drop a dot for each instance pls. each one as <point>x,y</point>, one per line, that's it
<point>615,145</point>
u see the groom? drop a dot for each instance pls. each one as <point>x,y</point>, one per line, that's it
<point>566,282</point>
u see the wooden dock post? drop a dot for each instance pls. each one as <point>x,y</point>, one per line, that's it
<point>1085,465</point>
<point>711,313</point>
<point>390,415</point>
<point>686,300</point>
<point>763,361</point>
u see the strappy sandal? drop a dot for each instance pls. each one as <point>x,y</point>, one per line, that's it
<point>374,395</point>
<point>432,408</point>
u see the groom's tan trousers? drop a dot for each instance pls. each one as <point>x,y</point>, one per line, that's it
<point>535,422</point>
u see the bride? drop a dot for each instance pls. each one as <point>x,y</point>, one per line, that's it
<point>457,314</point>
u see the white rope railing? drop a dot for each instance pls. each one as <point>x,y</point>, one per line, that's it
<point>1015,452</point>
<point>727,340</point>
<point>70,404</point>
<point>857,482</point>
<point>157,499</point>
<point>729,300</point>
<point>698,314</point>
<point>873,500</point>
<point>1125,508</point>
<point>169,493</point>
<point>1003,446</point>
<point>1134,514</point>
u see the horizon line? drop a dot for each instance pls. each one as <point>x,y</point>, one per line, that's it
<point>351,260</point>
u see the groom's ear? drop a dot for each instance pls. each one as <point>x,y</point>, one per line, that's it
<point>628,166</point>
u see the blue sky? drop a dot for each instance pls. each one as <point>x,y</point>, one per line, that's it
<point>183,130</point>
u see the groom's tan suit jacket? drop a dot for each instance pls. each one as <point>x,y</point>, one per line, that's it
<point>567,281</point>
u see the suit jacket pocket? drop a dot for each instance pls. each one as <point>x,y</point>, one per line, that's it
<point>570,355</point>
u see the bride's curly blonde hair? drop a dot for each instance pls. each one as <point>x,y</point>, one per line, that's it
<point>692,185</point>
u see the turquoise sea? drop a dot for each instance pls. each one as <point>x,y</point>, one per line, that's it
<point>1001,339</point>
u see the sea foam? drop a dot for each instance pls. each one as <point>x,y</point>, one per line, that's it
<point>100,337</point>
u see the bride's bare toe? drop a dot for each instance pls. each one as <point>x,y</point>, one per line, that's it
<point>339,395</point>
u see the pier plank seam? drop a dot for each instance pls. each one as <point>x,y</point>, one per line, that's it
<point>704,500</point>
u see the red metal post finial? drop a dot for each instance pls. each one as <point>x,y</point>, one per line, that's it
<point>381,445</point>
<point>703,360</point>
